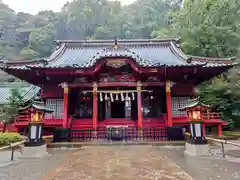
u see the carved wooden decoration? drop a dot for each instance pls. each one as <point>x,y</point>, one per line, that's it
<point>115,63</point>
<point>117,78</point>
<point>80,80</point>
<point>152,79</point>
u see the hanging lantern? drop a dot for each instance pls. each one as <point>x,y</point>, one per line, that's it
<point>111,97</point>
<point>127,103</point>
<point>122,97</point>
<point>106,97</point>
<point>117,97</point>
<point>127,97</point>
<point>133,96</point>
<point>101,97</point>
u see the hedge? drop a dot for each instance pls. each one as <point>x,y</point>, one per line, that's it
<point>7,138</point>
<point>231,133</point>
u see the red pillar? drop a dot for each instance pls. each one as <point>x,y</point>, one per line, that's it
<point>139,104</point>
<point>169,103</point>
<point>204,129</point>
<point>95,106</point>
<point>65,105</point>
<point>219,129</point>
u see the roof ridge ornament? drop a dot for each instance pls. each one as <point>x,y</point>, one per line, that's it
<point>116,45</point>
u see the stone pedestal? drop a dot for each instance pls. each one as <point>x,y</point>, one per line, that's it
<point>34,151</point>
<point>196,149</point>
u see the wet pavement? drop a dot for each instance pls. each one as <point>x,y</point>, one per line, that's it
<point>120,163</point>
<point>143,162</point>
<point>31,169</point>
<point>213,167</point>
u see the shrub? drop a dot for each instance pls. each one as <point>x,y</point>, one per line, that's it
<point>7,138</point>
<point>231,133</point>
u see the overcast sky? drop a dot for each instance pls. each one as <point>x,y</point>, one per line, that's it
<point>33,6</point>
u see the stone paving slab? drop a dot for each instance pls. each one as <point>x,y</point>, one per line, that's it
<point>212,167</point>
<point>33,169</point>
<point>118,163</point>
<point>122,163</point>
<point>5,157</point>
<point>113,143</point>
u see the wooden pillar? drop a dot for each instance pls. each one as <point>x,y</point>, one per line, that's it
<point>219,129</point>
<point>169,103</point>
<point>95,105</point>
<point>65,105</point>
<point>204,129</point>
<point>139,104</point>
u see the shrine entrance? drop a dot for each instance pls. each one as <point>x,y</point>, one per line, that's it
<point>117,103</point>
<point>118,109</point>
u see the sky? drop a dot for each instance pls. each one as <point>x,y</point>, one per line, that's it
<point>34,6</point>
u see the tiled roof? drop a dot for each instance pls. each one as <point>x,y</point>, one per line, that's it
<point>28,91</point>
<point>193,103</point>
<point>147,53</point>
<point>39,106</point>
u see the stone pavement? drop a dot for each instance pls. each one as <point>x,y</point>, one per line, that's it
<point>32,169</point>
<point>212,167</point>
<point>121,162</point>
<point>5,157</point>
<point>118,163</point>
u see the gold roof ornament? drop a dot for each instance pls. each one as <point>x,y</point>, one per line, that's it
<point>116,46</point>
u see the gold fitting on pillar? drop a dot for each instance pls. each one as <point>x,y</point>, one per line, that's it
<point>65,88</point>
<point>168,85</point>
<point>139,86</point>
<point>95,88</point>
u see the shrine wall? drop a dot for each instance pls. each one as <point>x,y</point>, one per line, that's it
<point>52,92</point>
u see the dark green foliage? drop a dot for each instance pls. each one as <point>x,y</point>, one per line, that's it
<point>30,37</point>
<point>211,28</point>
<point>7,138</point>
<point>10,110</point>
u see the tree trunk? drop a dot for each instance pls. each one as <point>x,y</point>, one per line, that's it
<point>4,127</point>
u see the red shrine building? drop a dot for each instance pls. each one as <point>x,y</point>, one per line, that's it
<point>137,83</point>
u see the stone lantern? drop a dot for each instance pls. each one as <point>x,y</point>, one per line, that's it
<point>36,111</point>
<point>195,141</point>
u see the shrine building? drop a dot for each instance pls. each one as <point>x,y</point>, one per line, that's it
<point>136,83</point>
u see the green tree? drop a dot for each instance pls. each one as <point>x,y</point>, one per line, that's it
<point>10,111</point>
<point>210,28</point>
<point>41,40</point>
<point>27,53</point>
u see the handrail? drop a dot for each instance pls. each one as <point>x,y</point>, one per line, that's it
<point>223,141</point>
<point>12,146</point>
<point>222,144</point>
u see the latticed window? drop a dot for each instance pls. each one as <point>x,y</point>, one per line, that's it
<point>178,102</point>
<point>57,106</point>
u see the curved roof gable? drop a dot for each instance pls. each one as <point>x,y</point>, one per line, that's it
<point>146,53</point>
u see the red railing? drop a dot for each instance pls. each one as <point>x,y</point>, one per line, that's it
<point>53,122</point>
<point>70,121</point>
<point>212,116</point>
